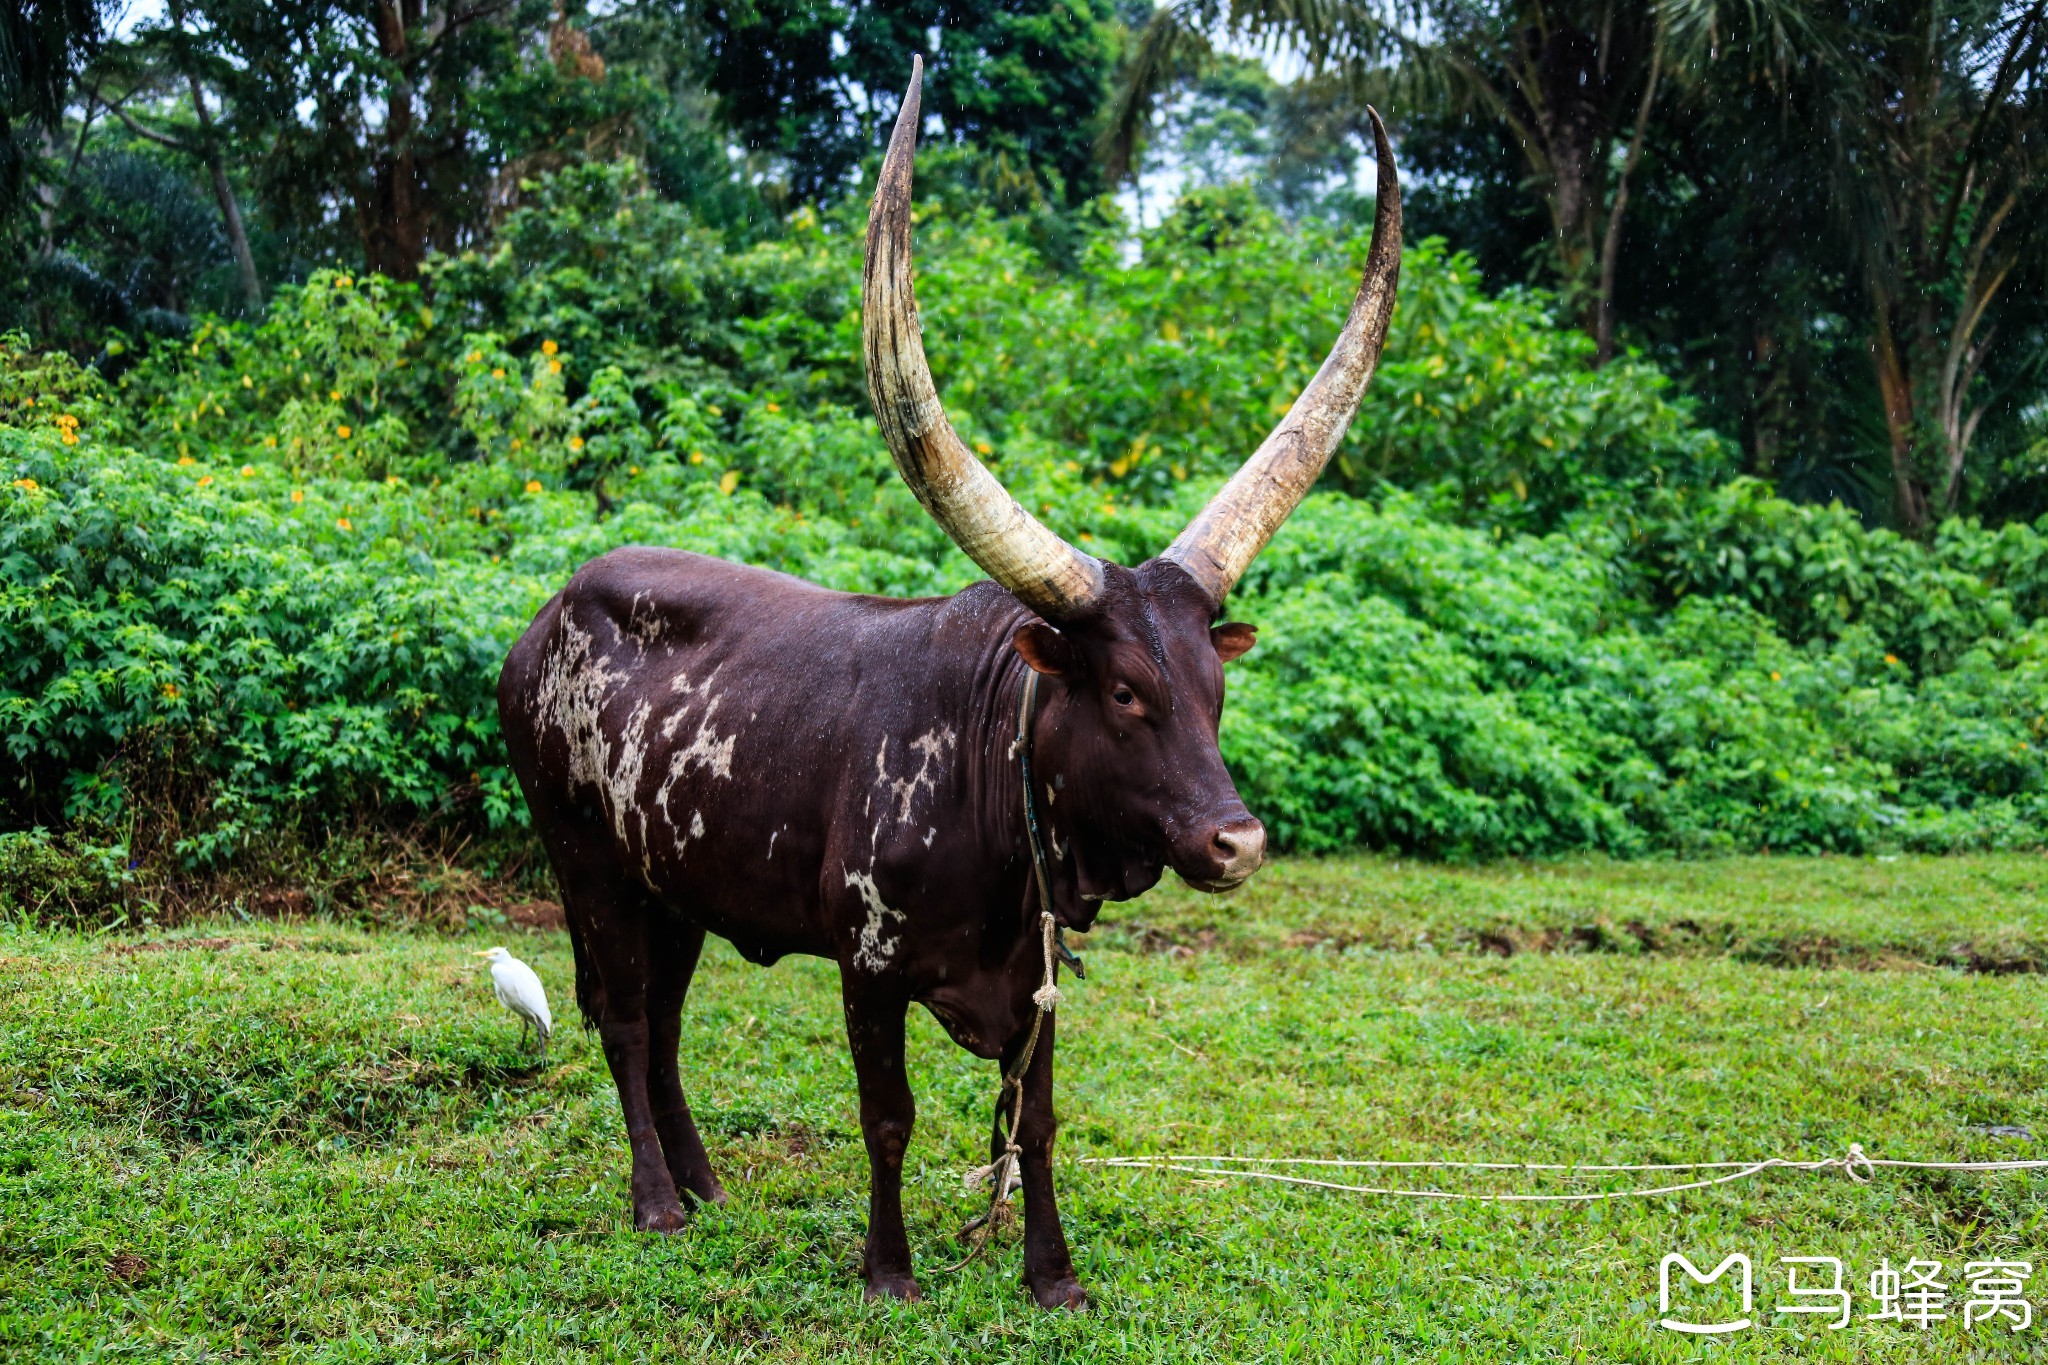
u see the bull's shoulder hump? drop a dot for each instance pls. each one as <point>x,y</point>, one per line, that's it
<point>646,573</point>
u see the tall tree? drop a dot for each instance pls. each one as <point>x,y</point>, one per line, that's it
<point>394,127</point>
<point>166,58</point>
<point>813,81</point>
<point>1574,85</point>
<point>43,43</point>
<point>1938,115</point>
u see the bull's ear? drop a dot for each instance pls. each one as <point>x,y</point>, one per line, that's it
<point>1045,649</point>
<point>1232,639</point>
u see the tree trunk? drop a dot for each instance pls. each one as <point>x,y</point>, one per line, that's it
<point>230,209</point>
<point>392,215</point>
<point>1610,246</point>
<point>1909,494</point>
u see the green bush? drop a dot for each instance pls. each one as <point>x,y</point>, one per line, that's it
<point>263,581</point>
<point>56,880</point>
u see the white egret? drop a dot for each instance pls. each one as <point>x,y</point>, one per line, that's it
<point>519,990</point>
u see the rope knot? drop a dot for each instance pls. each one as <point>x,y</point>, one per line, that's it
<point>1857,1166</point>
<point>1046,998</point>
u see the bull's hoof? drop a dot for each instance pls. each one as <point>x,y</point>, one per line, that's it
<point>670,1217</point>
<point>901,1287</point>
<point>1060,1293</point>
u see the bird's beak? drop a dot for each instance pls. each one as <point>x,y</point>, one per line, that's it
<point>480,952</point>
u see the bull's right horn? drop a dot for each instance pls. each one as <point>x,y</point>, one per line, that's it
<point>1228,534</point>
<point>1013,547</point>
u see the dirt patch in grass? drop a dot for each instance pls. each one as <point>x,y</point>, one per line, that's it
<point>173,945</point>
<point>537,916</point>
<point>126,1267</point>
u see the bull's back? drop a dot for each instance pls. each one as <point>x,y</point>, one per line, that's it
<point>692,714</point>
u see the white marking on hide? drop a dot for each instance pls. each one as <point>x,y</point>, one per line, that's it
<point>873,951</point>
<point>903,791</point>
<point>930,835</point>
<point>771,844</point>
<point>573,688</point>
<point>646,625</point>
<point>707,749</point>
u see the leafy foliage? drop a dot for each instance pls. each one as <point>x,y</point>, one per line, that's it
<point>268,574</point>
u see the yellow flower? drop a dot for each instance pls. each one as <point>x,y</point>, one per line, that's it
<point>1892,659</point>
<point>270,443</point>
<point>533,485</point>
<point>334,395</point>
<point>342,522</point>
<point>170,692</point>
<point>247,471</point>
<point>247,382</point>
<point>343,432</point>
<point>554,367</point>
<point>298,495</point>
<point>1775,677</point>
<point>575,443</point>
<point>548,348</point>
<point>729,481</point>
<point>206,481</point>
<point>70,438</point>
<point>391,481</point>
<point>475,357</point>
<point>633,470</point>
<point>983,448</point>
<point>343,283</point>
<point>715,410</point>
<point>498,373</point>
<point>696,457</point>
<point>27,484</point>
<point>774,407</point>
<point>184,460</point>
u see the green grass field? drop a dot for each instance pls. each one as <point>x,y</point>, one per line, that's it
<point>301,1141</point>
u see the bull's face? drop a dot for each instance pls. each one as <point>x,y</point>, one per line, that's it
<point>1125,752</point>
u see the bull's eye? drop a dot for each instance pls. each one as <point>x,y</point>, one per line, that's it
<point>1124,696</point>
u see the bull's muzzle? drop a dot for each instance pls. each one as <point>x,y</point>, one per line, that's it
<point>1236,850</point>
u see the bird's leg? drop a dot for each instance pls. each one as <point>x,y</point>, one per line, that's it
<point>524,1024</point>
<point>874,1028</point>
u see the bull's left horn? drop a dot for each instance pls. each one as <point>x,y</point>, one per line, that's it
<point>1221,542</point>
<point>1013,547</point>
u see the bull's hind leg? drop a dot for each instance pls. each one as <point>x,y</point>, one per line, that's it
<point>874,1028</point>
<point>675,962</point>
<point>616,923</point>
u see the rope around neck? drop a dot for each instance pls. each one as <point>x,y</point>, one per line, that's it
<point>1005,1171</point>
<point>1855,1164</point>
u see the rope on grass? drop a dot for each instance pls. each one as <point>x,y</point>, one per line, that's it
<point>1854,1164</point>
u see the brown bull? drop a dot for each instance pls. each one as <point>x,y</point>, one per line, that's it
<point>712,748</point>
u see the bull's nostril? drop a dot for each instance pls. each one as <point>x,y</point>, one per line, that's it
<point>1241,847</point>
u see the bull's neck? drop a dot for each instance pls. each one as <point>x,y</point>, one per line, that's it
<point>994,777</point>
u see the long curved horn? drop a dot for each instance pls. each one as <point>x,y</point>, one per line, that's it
<point>1013,547</point>
<point>1228,534</point>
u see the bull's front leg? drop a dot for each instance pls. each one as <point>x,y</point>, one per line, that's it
<point>1048,1269</point>
<point>874,1029</point>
